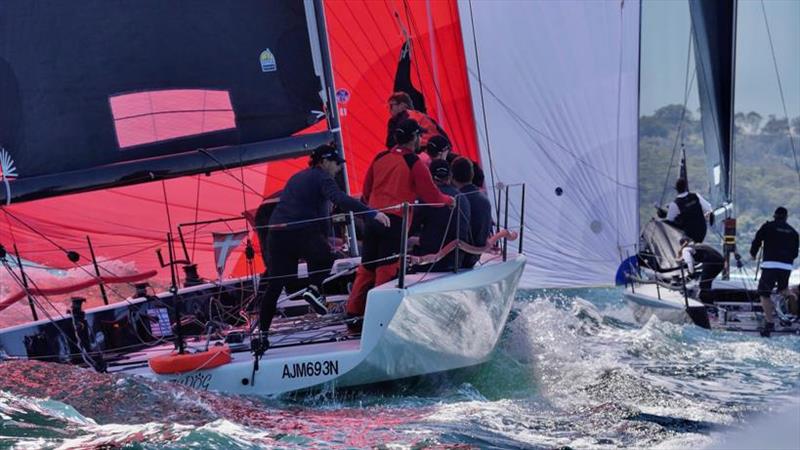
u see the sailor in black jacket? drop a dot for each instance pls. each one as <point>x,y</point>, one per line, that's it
<point>781,246</point>
<point>436,227</point>
<point>298,230</point>
<point>712,260</point>
<point>689,211</point>
<point>480,208</point>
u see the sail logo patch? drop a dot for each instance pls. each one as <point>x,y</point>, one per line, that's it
<point>7,172</point>
<point>342,96</point>
<point>267,60</point>
<point>7,169</point>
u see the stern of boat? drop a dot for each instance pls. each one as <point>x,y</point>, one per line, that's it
<point>440,322</point>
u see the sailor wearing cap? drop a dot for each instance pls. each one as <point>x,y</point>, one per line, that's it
<point>298,230</point>
<point>780,243</point>
<point>395,176</point>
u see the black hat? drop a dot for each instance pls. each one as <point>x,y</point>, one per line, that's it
<point>781,212</point>
<point>326,151</point>
<point>440,169</point>
<point>437,144</point>
<point>406,130</point>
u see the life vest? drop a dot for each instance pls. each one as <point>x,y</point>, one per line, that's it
<point>690,219</point>
<point>174,363</point>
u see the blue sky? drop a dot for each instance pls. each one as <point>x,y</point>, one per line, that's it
<point>665,39</point>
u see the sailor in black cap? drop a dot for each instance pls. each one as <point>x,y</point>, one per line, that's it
<point>438,147</point>
<point>780,243</point>
<point>298,230</point>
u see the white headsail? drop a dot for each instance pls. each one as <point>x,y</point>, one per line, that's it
<point>555,91</point>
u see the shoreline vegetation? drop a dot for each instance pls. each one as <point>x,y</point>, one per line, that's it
<point>765,171</point>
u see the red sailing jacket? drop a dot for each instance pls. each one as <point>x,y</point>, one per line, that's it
<point>430,127</point>
<point>396,176</point>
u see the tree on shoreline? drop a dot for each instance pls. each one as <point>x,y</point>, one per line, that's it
<point>765,175</point>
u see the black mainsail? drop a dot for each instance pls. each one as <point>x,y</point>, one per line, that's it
<point>100,93</point>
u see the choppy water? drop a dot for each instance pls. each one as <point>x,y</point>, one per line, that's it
<point>572,370</point>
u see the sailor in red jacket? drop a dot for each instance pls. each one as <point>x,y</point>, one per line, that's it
<point>395,176</point>
<point>401,108</point>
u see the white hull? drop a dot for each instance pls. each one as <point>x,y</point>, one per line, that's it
<point>669,305</point>
<point>440,322</point>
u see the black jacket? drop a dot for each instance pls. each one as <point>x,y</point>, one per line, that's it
<point>308,195</point>
<point>691,219</point>
<point>481,221</point>
<point>780,242</point>
<point>431,222</point>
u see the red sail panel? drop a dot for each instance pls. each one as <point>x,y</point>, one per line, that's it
<point>127,224</point>
<point>365,39</point>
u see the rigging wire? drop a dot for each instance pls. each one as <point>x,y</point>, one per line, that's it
<point>780,90</point>
<point>619,110</point>
<point>63,249</point>
<point>688,84</point>
<point>483,104</point>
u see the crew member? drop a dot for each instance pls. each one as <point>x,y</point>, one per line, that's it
<point>780,243</point>
<point>394,177</point>
<point>689,211</point>
<point>712,260</point>
<point>437,227</point>
<point>298,230</point>
<point>438,147</point>
<point>480,208</point>
<point>478,177</point>
<point>401,108</point>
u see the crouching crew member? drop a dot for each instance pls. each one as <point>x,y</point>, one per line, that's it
<point>395,176</point>
<point>480,208</point>
<point>438,226</point>
<point>780,243</point>
<point>712,260</point>
<point>304,205</point>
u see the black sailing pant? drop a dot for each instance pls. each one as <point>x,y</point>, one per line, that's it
<point>284,250</point>
<point>382,242</point>
<point>709,272</point>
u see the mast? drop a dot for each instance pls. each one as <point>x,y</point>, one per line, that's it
<point>732,163</point>
<point>729,237</point>
<point>331,108</point>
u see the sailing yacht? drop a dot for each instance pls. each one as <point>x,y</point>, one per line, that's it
<point>141,132</point>
<point>144,136</point>
<point>660,286</point>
